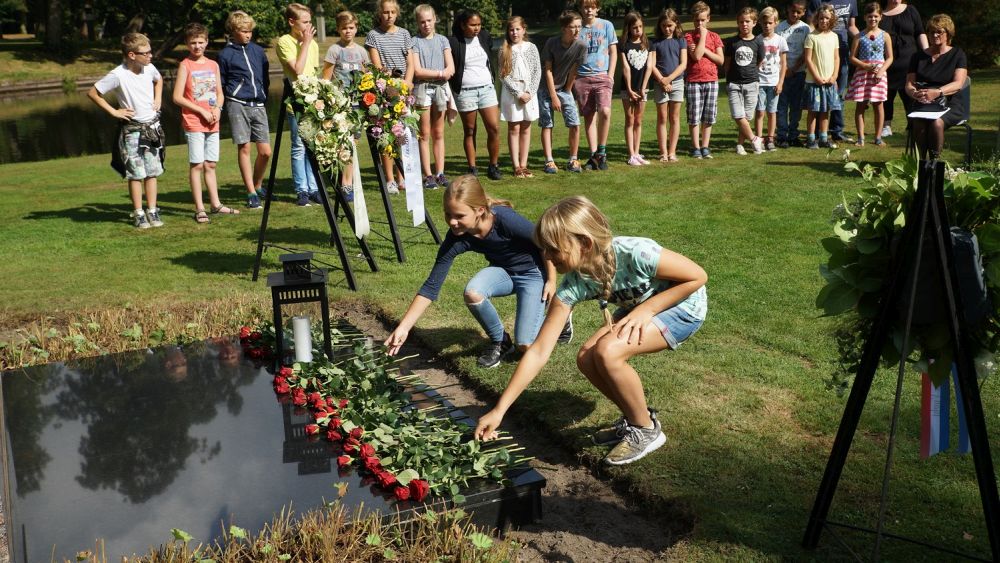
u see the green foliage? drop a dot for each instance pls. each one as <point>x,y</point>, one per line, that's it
<point>867,227</point>
<point>9,10</point>
<point>269,15</point>
<point>977,27</point>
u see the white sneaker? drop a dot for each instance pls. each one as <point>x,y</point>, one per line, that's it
<point>740,150</point>
<point>634,161</point>
<point>758,145</point>
<point>392,188</point>
<point>886,131</point>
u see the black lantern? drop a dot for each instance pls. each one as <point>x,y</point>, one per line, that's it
<point>298,282</point>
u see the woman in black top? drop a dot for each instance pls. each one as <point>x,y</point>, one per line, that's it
<point>903,24</point>
<point>936,74</point>
<point>477,95</point>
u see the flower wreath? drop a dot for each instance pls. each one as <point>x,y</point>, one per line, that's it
<point>385,104</point>
<point>326,120</point>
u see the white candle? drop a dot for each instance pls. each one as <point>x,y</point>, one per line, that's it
<point>303,339</point>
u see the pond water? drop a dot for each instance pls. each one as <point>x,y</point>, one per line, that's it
<point>66,125</point>
<point>126,446</point>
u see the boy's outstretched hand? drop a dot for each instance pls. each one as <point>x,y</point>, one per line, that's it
<point>486,429</point>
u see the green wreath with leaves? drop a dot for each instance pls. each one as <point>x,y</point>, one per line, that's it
<point>866,227</point>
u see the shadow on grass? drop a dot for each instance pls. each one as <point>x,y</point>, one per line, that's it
<point>828,166</point>
<point>208,262</point>
<point>87,213</point>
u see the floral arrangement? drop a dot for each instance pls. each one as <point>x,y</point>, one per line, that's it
<point>326,120</point>
<point>361,406</point>
<point>385,104</point>
<point>866,227</point>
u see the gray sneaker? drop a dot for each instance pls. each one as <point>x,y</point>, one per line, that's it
<point>613,434</point>
<point>566,336</point>
<point>154,217</point>
<point>636,443</point>
<point>139,219</point>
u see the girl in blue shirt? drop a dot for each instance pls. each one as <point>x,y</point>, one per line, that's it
<point>661,302</point>
<point>479,223</point>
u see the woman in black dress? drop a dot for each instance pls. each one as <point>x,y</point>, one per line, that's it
<point>902,22</point>
<point>936,74</point>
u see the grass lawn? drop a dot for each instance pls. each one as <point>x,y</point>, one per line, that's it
<point>749,421</point>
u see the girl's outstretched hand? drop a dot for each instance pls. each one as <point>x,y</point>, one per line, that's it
<point>548,291</point>
<point>396,340</point>
<point>486,429</point>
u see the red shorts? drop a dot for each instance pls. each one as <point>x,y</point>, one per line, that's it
<point>593,93</point>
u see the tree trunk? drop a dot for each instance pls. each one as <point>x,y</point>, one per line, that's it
<point>169,43</point>
<point>53,25</point>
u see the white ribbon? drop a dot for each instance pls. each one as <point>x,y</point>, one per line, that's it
<point>361,224</point>
<point>412,179</point>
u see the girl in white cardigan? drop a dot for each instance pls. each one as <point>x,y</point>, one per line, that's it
<point>520,72</point>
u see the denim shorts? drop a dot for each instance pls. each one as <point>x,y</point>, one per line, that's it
<point>546,116</point>
<point>676,325</point>
<point>676,93</point>
<point>767,99</point>
<point>742,100</point>
<point>477,97</point>
<point>202,147</point>
<point>248,123</point>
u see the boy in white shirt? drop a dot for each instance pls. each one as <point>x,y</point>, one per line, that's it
<point>772,76</point>
<point>139,154</point>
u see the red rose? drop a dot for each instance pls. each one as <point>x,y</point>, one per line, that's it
<point>318,406</point>
<point>255,353</point>
<point>279,380</point>
<point>368,99</point>
<point>331,402</point>
<point>282,388</point>
<point>254,336</point>
<point>419,489</point>
<point>372,464</point>
<point>299,397</point>
<point>312,429</point>
<point>343,403</point>
<point>334,422</point>
<point>385,479</point>
<point>343,461</point>
<point>357,433</point>
<point>350,448</point>
<point>244,332</point>
<point>333,436</point>
<point>314,397</point>
<point>401,493</point>
<point>286,371</point>
<point>367,450</point>
<point>871,37</point>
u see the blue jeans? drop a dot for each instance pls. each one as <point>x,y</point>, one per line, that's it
<point>837,115</point>
<point>496,282</point>
<point>302,175</point>
<point>790,107</point>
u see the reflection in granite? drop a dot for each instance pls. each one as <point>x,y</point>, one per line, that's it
<point>127,446</point>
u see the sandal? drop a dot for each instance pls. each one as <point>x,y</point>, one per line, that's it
<point>860,142</point>
<point>664,158</point>
<point>201,217</point>
<point>525,173</point>
<point>672,158</point>
<point>223,210</point>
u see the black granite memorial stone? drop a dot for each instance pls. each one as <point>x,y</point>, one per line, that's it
<point>127,446</point>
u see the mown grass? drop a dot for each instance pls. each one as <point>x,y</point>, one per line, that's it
<point>749,421</point>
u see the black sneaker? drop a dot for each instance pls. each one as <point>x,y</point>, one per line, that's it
<point>474,171</point>
<point>493,172</point>
<point>443,180</point>
<point>253,202</point>
<point>314,197</point>
<point>602,161</point>
<point>591,163</point>
<point>566,336</point>
<point>430,183</point>
<point>491,357</point>
<point>841,137</point>
<point>302,200</point>
<point>782,144</point>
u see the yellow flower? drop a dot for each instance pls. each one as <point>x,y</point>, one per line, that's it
<point>366,83</point>
<point>404,89</point>
<point>399,107</point>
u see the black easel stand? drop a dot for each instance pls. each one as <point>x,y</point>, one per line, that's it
<point>335,238</point>
<point>926,210</point>
<point>397,242</point>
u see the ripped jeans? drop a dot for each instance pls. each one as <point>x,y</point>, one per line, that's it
<point>496,282</point>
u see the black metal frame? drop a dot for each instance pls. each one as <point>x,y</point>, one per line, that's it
<point>285,293</point>
<point>926,210</point>
<point>397,241</point>
<point>336,240</point>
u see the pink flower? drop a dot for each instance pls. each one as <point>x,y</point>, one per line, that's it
<point>398,128</point>
<point>319,104</point>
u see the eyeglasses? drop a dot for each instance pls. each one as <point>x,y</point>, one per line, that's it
<point>938,32</point>
<point>143,53</point>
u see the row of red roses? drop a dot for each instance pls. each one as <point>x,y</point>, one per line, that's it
<point>326,414</point>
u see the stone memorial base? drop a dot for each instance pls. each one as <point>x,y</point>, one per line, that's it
<point>125,447</point>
